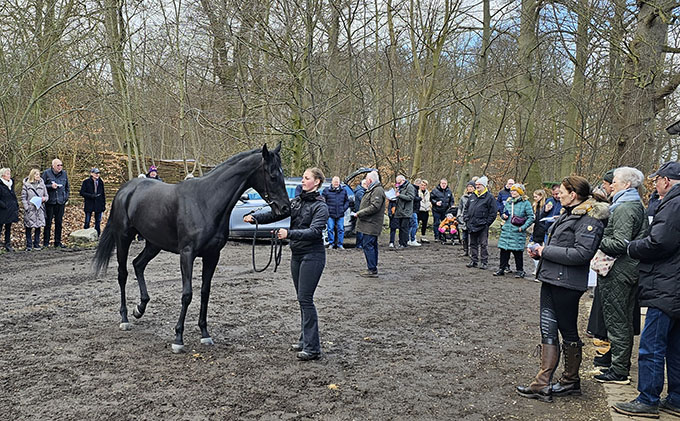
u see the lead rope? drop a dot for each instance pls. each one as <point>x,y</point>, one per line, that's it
<point>275,252</point>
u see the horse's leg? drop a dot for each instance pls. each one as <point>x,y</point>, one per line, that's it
<point>209,266</point>
<point>186,263</point>
<point>139,264</point>
<point>122,249</point>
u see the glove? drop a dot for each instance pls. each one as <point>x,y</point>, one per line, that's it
<point>442,230</point>
<point>453,231</point>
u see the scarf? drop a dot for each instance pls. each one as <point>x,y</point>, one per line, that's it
<point>628,195</point>
<point>8,183</point>
<point>479,194</point>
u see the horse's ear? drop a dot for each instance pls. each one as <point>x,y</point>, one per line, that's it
<point>265,152</point>
<point>277,149</point>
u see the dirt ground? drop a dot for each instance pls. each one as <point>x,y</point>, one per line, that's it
<point>429,339</point>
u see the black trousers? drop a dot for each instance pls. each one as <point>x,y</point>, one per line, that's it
<point>306,270</point>
<point>55,211</point>
<point>559,313</point>
<point>423,216</point>
<point>8,232</point>
<point>404,228</point>
<point>519,259</point>
<point>437,218</point>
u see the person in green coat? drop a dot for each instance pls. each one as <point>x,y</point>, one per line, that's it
<point>618,288</point>
<point>518,216</point>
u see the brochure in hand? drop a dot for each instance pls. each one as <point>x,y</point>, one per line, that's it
<point>37,201</point>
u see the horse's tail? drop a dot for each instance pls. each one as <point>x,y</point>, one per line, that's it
<point>107,242</point>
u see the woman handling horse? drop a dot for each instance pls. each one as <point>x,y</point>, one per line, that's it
<point>309,214</point>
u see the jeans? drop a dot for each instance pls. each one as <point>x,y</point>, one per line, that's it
<point>479,240</point>
<point>339,225</point>
<point>97,221</point>
<point>414,227</point>
<point>370,245</point>
<point>659,343</point>
<point>437,218</point>
<point>35,242</point>
<point>306,270</point>
<point>56,211</point>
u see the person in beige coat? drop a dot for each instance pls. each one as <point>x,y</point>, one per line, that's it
<point>34,216</point>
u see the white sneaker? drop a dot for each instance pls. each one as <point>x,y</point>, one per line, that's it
<point>391,245</point>
<point>424,240</point>
<point>414,243</point>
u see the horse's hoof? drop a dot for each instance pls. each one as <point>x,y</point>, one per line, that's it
<point>125,326</point>
<point>137,313</point>
<point>207,341</point>
<point>177,349</point>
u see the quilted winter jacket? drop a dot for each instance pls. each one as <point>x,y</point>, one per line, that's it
<point>33,217</point>
<point>628,222</point>
<point>511,238</point>
<point>572,242</point>
<point>337,201</point>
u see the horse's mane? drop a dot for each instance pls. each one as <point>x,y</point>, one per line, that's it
<point>232,160</point>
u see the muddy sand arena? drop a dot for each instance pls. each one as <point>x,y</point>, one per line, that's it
<point>429,340</point>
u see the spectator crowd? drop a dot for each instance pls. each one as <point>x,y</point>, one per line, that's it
<point>572,233</point>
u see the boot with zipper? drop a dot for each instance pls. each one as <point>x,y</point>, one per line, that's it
<point>570,382</point>
<point>540,388</point>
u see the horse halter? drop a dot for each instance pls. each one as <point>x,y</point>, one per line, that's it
<point>266,185</point>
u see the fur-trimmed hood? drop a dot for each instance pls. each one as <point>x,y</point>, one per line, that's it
<point>593,208</point>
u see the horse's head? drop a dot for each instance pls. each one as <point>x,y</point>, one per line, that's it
<point>270,184</point>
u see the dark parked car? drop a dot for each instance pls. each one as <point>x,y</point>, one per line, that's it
<point>251,202</point>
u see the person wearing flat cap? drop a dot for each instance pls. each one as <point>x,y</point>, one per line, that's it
<point>659,291</point>
<point>92,191</point>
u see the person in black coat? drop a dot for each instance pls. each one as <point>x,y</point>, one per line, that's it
<point>481,212</point>
<point>9,206</point>
<point>563,270</point>
<point>441,199</point>
<point>59,190</point>
<point>92,190</point>
<point>337,201</point>
<point>659,255</point>
<point>308,216</point>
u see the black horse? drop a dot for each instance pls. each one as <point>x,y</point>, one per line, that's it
<point>191,219</point>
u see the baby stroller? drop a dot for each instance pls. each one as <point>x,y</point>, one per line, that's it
<point>449,228</point>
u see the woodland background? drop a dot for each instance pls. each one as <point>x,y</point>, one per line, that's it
<point>529,89</point>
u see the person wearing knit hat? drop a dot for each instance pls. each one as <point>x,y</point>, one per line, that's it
<point>607,180</point>
<point>518,216</point>
<point>519,188</point>
<point>481,214</point>
<point>153,173</point>
<point>462,212</point>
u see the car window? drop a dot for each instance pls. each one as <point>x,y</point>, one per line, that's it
<point>254,195</point>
